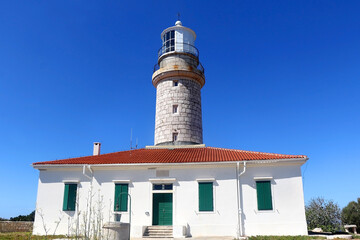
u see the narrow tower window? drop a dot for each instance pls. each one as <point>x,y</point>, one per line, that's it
<point>175,108</point>
<point>175,136</point>
<point>175,83</point>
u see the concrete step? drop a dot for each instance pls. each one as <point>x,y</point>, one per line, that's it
<point>158,232</point>
<point>157,236</point>
<point>166,230</point>
<point>160,227</point>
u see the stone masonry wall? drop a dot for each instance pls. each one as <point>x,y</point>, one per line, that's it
<point>10,226</point>
<point>187,122</point>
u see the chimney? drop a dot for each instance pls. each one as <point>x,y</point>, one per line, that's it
<point>96,148</point>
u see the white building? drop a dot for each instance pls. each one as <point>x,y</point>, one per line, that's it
<point>179,183</point>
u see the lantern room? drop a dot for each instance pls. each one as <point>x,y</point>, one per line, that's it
<point>178,39</point>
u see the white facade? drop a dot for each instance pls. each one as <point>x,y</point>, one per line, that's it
<point>286,218</point>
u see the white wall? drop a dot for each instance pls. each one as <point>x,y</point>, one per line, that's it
<point>288,217</point>
<point>50,201</point>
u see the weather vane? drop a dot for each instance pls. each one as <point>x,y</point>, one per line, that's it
<point>178,16</point>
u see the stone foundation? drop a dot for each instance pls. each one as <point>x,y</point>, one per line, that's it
<point>10,226</point>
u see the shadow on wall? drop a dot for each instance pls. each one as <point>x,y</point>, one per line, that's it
<point>188,230</point>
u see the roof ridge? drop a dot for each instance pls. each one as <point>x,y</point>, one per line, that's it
<point>176,155</point>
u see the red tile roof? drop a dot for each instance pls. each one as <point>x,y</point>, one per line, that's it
<point>176,155</point>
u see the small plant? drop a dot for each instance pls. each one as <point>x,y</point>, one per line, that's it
<point>46,229</point>
<point>58,222</point>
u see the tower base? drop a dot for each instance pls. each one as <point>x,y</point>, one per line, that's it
<point>175,146</point>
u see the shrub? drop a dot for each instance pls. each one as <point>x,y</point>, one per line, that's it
<point>324,214</point>
<point>29,217</point>
<point>351,214</point>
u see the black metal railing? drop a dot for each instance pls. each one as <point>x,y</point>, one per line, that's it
<point>156,67</point>
<point>198,67</point>
<point>179,47</point>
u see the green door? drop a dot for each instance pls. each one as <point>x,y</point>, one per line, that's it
<point>162,209</point>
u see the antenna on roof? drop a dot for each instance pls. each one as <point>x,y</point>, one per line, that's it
<point>131,147</point>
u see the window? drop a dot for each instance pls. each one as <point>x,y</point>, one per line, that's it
<point>264,199</point>
<point>168,186</point>
<point>121,197</point>
<point>175,83</point>
<point>206,201</point>
<point>69,197</point>
<point>169,41</point>
<point>174,137</point>
<point>175,108</point>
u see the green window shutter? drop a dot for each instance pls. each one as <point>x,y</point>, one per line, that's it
<point>264,198</point>
<point>66,197</point>
<point>206,202</point>
<point>121,197</point>
<point>70,197</point>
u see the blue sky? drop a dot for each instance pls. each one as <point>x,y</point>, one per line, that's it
<point>281,76</point>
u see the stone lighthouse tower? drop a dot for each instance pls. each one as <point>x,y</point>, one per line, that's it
<point>178,78</point>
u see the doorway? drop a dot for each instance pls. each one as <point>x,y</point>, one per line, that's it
<point>162,209</point>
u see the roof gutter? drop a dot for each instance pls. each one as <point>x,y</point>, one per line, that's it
<point>294,160</point>
<point>238,175</point>
<point>84,171</point>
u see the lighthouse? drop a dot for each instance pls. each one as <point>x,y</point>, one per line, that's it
<point>178,78</point>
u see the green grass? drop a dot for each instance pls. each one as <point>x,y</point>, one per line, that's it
<point>25,236</point>
<point>285,238</point>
